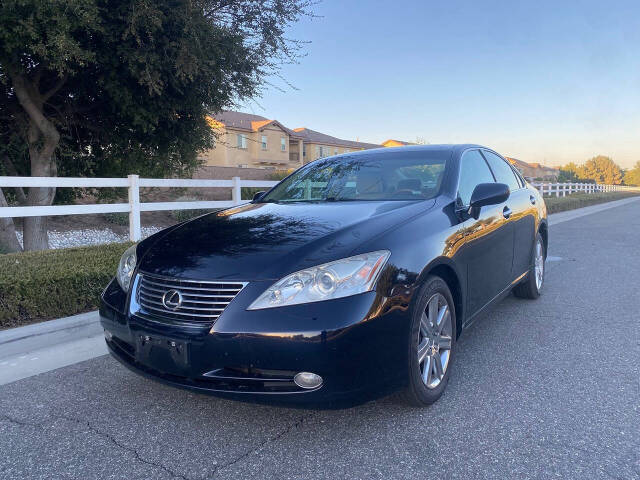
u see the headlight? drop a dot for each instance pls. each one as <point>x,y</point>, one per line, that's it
<point>338,279</point>
<point>126,267</point>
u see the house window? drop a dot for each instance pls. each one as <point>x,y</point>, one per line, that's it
<point>283,144</point>
<point>242,140</point>
<point>335,151</point>
<point>264,142</point>
<point>318,151</point>
<point>304,150</point>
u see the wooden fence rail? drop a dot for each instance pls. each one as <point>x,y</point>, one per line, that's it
<point>133,183</point>
<point>564,189</point>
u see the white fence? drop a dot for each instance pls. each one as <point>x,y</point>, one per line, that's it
<point>133,183</point>
<point>564,189</point>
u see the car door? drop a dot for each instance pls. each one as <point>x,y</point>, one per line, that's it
<point>488,244</point>
<point>523,213</point>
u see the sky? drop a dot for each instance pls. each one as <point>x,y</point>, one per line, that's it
<point>542,81</point>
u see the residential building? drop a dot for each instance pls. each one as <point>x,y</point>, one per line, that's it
<point>535,170</point>
<point>396,143</point>
<point>318,145</point>
<point>247,140</point>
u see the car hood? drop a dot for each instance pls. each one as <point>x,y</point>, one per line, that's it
<point>261,241</point>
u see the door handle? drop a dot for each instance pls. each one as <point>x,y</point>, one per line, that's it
<point>533,200</point>
<point>506,212</point>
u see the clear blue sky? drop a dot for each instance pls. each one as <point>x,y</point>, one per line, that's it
<point>543,81</point>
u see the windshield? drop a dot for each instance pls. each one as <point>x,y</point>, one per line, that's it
<point>382,176</point>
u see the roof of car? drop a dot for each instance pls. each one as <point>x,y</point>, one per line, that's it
<point>417,148</point>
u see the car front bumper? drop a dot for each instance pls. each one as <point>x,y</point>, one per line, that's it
<point>362,356</point>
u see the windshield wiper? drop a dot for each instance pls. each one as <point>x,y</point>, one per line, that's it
<point>338,199</point>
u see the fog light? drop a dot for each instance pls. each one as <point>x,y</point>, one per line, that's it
<point>108,335</point>
<point>307,380</point>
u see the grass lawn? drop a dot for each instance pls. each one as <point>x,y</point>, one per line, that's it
<point>579,200</point>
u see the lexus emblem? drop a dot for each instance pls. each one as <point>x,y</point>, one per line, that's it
<point>172,299</point>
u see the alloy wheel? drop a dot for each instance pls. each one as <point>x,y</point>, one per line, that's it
<point>435,340</point>
<point>539,264</point>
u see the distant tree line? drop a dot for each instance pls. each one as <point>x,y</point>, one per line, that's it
<point>600,169</point>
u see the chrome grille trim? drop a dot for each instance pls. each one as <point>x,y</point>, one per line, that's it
<point>202,301</point>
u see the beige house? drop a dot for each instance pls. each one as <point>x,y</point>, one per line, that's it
<point>535,170</point>
<point>317,145</point>
<point>246,140</point>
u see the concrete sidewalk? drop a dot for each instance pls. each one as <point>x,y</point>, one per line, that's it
<point>45,346</point>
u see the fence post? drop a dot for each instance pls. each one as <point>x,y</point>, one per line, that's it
<point>236,191</point>
<point>135,233</point>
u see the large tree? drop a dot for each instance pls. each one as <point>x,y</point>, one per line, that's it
<point>603,170</point>
<point>632,176</point>
<point>111,87</point>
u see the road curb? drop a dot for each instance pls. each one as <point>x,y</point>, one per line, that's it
<point>561,217</point>
<point>26,339</point>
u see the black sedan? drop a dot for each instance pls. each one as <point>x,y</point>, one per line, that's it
<point>350,279</point>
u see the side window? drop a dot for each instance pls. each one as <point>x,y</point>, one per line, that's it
<point>473,170</point>
<point>502,170</point>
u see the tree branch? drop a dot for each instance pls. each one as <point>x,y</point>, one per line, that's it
<point>21,88</point>
<point>61,81</point>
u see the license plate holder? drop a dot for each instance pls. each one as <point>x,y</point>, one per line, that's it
<point>162,353</point>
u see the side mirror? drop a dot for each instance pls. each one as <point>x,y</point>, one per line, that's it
<point>258,195</point>
<point>487,194</point>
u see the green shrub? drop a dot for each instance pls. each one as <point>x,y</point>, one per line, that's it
<point>247,193</point>
<point>54,283</point>
<point>117,218</point>
<point>184,215</point>
<point>579,200</point>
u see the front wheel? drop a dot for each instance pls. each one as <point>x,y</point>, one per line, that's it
<point>431,344</point>
<point>531,287</point>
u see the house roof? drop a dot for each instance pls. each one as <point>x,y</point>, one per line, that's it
<point>248,121</point>
<point>312,136</point>
<point>522,164</point>
<point>242,121</point>
<point>515,161</point>
<point>399,142</point>
<point>254,123</point>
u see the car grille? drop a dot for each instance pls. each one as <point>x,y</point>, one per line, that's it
<point>202,301</point>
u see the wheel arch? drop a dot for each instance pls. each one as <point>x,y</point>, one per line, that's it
<point>543,228</point>
<point>446,270</point>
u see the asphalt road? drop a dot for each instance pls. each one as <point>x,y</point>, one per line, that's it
<point>541,389</point>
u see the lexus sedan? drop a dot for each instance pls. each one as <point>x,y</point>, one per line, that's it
<point>351,279</point>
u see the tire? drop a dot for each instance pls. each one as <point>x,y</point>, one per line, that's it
<point>531,287</point>
<point>425,387</point>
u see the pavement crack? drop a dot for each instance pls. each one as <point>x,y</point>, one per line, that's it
<point>262,445</point>
<point>22,423</point>
<point>125,447</point>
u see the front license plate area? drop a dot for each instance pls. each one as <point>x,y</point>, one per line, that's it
<point>163,354</point>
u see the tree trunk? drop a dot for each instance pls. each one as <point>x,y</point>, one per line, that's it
<point>35,231</point>
<point>8,240</point>
<point>43,139</point>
